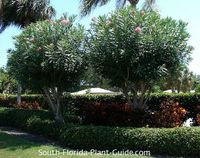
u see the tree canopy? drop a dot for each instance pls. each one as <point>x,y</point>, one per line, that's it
<point>23,12</point>
<point>134,49</point>
<point>49,56</point>
<point>88,5</point>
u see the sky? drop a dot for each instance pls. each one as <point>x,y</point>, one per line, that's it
<point>185,10</point>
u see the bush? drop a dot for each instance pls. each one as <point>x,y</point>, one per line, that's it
<point>46,127</point>
<point>30,100</point>
<point>171,141</point>
<point>24,105</point>
<point>112,109</point>
<point>198,119</point>
<point>23,114</point>
<point>177,141</point>
<point>170,115</point>
<point>34,121</point>
<point>112,114</point>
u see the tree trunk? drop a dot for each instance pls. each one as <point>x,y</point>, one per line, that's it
<point>19,91</point>
<point>173,90</point>
<point>54,102</point>
<point>58,116</point>
<point>138,102</point>
<point>133,3</point>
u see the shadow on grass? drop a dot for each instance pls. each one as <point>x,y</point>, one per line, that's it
<point>10,142</point>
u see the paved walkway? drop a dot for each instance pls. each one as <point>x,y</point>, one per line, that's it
<point>31,137</point>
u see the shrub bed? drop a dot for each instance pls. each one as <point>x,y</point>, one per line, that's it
<point>39,122</point>
<point>111,109</point>
<point>190,101</point>
<point>170,141</point>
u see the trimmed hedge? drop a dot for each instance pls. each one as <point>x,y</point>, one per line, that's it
<point>111,109</point>
<point>171,141</point>
<point>188,100</point>
<point>10,100</point>
<point>39,122</point>
<point>174,142</point>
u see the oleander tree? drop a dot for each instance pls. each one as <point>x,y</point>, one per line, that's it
<point>134,50</point>
<point>49,56</point>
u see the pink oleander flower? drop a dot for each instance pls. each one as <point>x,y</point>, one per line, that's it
<point>65,21</point>
<point>138,29</point>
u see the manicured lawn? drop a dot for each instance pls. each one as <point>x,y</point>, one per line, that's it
<point>17,147</point>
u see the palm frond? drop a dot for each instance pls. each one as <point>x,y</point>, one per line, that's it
<point>23,12</point>
<point>120,3</point>
<point>149,5</point>
<point>88,5</point>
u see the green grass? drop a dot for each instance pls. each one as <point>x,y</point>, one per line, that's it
<point>18,147</point>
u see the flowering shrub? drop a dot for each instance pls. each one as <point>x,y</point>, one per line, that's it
<point>49,57</point>
<point>133,49</point>
<point>138,29</point>
<point>171,114</point>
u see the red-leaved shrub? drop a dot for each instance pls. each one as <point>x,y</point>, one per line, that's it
<point>27,105</point>
<point>198,119</point>
<point>113,114</point>
<point>170,115</point>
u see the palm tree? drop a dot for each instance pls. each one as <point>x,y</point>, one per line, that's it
<point>23,12</point>
<point>187,80</point>
<point>88,5</point>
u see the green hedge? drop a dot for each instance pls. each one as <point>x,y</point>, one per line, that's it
<point>10,100</point>
<point>39,122</point>
<point>175,142</point>
<point>171,141</point>
<point>190,101</point>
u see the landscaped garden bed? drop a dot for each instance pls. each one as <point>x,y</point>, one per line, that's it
<point>166,141</point>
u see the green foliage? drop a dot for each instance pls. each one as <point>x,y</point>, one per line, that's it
<point>48,54</point>
<point>22,13</point>
<point>180,79</point>
<point>197,89</point>
<point>88,5</point>
<point>39,122</point>
<point>49,57</point>
<point>135,49</point>
<point>196,80</point>
<point>111,109</point>
<point>171,141</point>
<point>92,79</point>
<point>174,142</point>
<point>187,100</point>
<point>18,118</point>
<point>10,100</point>
<point>7,83</point>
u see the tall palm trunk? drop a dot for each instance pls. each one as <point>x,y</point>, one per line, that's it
<point>133,3</point>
